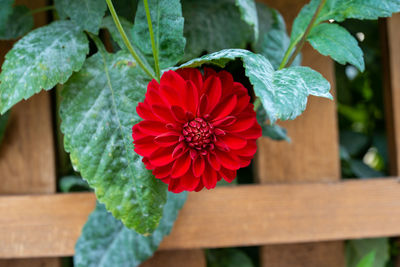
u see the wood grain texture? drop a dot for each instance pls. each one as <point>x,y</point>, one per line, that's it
<point>391,74</point>
<point>49,225</point>
<point>312,156</point>
<point>177,258</point>
<point>27,163</point>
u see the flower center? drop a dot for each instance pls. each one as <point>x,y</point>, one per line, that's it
<point>199,134</point>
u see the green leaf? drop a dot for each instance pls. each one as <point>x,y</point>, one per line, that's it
<point>272,131</point>
<point>283,93</point>
<point>5,11</point>
<point>88,14</point>
<point>356,250</point>
<point>227,257</point>
<point>362,170</point>
<point>98,112</point>
<point>248,12</point>
<point>167,21</point>
<point>362,9</point>
<point>105,241</point>
<point>273,40</point>
<point>3,125</point>
<point>73,184</point>
<point>221,27</point>
<point>19,23</point>
<point>368,260</point>
<point>340,10</point>
<point>40,60</point>
<point>335,41</point>
<point>108,23</point>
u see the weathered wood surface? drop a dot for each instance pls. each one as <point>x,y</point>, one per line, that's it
<point>391,74</point>
<point>49,225</point>
<point>27,161</point>
<point>311,156</point>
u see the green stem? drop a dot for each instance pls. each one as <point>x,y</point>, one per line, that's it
<point>41,9</point>
<point>126,40</point>
<point>153,43</point>
<point>257,104</point>
<point>302,40</point>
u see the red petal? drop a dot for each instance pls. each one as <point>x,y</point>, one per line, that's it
<point>198,166</point>
<point>167,139</point>
<point>224,108</point>
<point>228,160</point>
<point>181,165</point>
<point>209,72</point>
<point>172,79</point>
<point>209,178</point>
<point>163,113</point>
<point>189,182</point>
<point>249,150</point>
<point>162,172</point>
<point>233,141</point>
<point>228,175</point>
<point>174,186</point>
<point>145,112</point>
<point>152,127</point>
<point>213,161</point>
<point>226,81</point>
<point>194,75</point>
<point>161,156</point>
<point>203,107</point>
<point>252,133</point>
<point>212,88</point>
<point>179,150</point>
<point>170,95</point>
<point>145,148</point>
<point>242,124</point>
<point>179,114</point>
<point>224,122</point>
<point>190,97</point>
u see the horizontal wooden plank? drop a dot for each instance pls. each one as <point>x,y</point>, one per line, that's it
<point>48,225</point>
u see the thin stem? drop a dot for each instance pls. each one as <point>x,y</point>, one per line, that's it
<point>153,43</point>
<point>306,33</point>
<point>302,40</point>
<point>41,9</point>
<point>287,54</point>
<point>126,40</point>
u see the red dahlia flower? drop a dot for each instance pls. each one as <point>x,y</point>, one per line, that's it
<point>196,129</point>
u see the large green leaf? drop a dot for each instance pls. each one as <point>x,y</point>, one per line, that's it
<point>335,41</point>
<point>368,260</point>
<point>40,60</point>
<point>340,10</point>
<point>248,13</point>
<point>73,184</point>
<point>98,112</point>
<point>105,241</point>
<point>211,26</point>
<point>356,250</point>
<point>88,14</point>
<point>273,131</point>
<point>283,93</point>
<point>5,11</point>
<point>19,22</point>
<point>167,22</point>
<point>273,40</point>
<point>362,9</point>
<point>3,125</point>
<point>227,257</point>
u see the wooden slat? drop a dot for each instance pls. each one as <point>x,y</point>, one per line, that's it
<point>27,163</point>
<point>312,156</point>
<point>391,74</point>
<point>49,225</point>
<point>177,258</point>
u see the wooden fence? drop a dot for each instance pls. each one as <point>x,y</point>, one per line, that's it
<point>299,213</point>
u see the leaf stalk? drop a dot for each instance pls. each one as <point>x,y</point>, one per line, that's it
<point>153,43</point>
<point>126,40</point>
<point>302,41</point>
